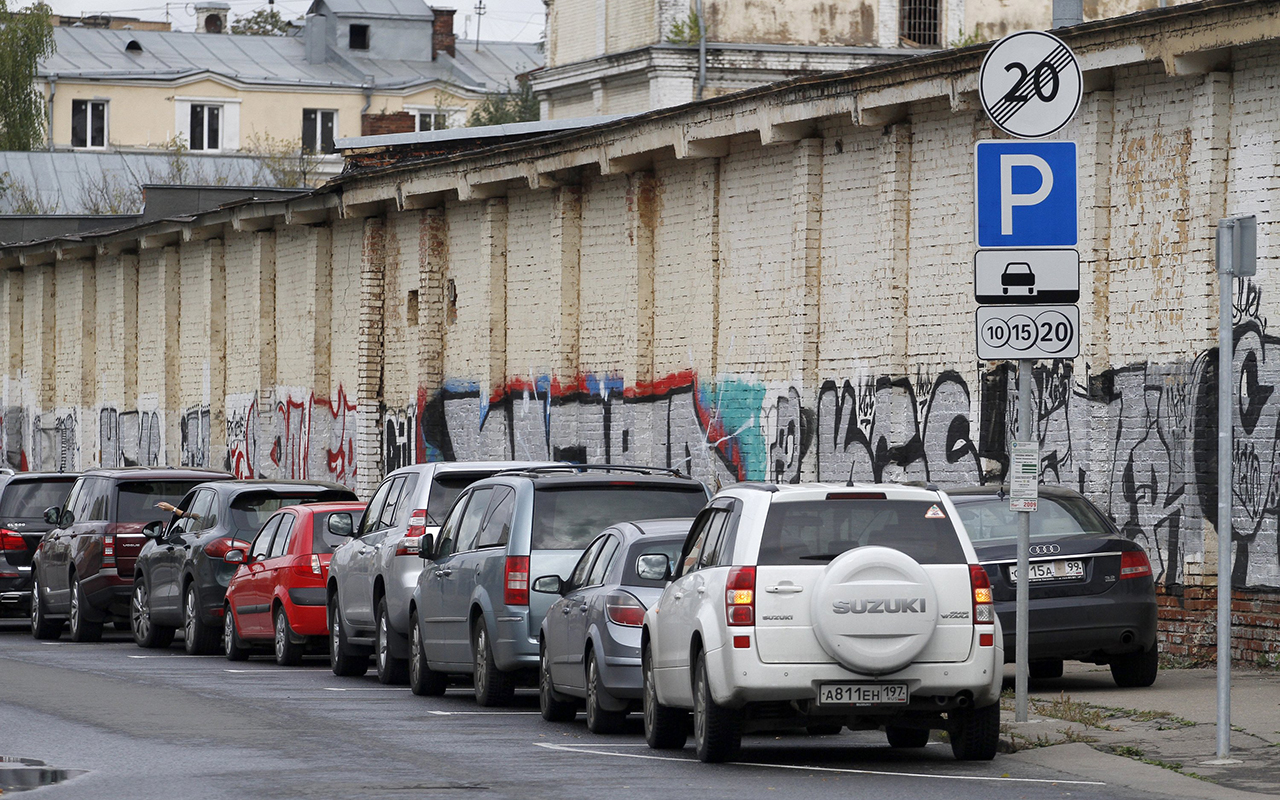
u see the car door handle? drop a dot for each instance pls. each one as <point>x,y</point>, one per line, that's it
<point>677,595</point>
<point>443,573</point>
<point>362,550</point>
<point>785,588</point>
<point>565,610</point>
<point>583,608</point>
<point>702,590</point>
<point>168,548</point>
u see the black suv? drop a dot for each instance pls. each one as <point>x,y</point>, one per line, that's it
<point>23,499</point>
<point>180,577</point>
<point>83,569</point>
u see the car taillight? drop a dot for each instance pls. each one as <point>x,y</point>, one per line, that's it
<point>220,547</point>
<point>417,523</point>
<point>740,596</point>
<point>517,581</point>
<point>409,545</point>
<point>109,550</point>
<point>308,566</point>
<point>624,609</point>
<point>11,540</point>
<point>1134,564</point>
<point>984,613</point>
<point>317,568</point>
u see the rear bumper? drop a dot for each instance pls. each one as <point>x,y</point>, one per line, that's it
<point>513,648</point>
<point>108,593</point>
<point>402,579</point>
<point>15,589</point>
<point>738,677</point>
<point>307,619</point>
<point>1086,628</point>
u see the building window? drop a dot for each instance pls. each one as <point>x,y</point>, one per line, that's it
<point>359,37</point>
<point>88,123</point>
<point>919,23</point>
<point>318,129</point>
<point>432,120</point>
<point>206,127</point>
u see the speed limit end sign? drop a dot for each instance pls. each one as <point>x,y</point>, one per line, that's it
<point>1030,84</point>
<point>1017,332</point>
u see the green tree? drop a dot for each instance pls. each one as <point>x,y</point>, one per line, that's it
<point>25,38</point>
<point>263,22</point>
<point>506,107</point>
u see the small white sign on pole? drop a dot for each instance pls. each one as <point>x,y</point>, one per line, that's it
<point>1024,476</point>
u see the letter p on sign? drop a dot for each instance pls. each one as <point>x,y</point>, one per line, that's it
<point>1026,194</point>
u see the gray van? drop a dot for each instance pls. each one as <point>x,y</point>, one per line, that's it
<point>472,612</point>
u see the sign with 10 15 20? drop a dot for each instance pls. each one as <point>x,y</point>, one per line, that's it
<point>1018,332</point>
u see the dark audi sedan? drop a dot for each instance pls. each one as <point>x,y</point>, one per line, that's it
<point>180,579</point>
<point>1093,595</point>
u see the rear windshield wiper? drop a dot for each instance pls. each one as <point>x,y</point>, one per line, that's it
<point>823,556</point>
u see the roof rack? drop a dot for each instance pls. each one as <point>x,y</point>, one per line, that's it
<point>928,485</point>
<point>759,487</point>
<point>580,468</point>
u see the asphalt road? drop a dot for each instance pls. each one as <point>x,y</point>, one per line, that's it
<point>161,724</point>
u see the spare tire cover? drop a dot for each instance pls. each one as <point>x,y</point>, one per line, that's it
<point>874,610</point>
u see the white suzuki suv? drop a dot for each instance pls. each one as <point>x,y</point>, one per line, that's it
<point>824,606</point>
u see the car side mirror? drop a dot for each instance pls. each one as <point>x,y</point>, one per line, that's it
<point>426,546</point>
<point>52,515</point>
<point>653,567</point>
<point>341,525</point>
<point>235,556</point>
<point>549,584</point>
<point>153,530</point>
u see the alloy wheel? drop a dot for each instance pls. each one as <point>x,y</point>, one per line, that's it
<point>36,612</point>
<point>482,660</point>
<point>383,646</point>
<point>76,621</point>
<point>140,614</point>
<point>415,658</point>
<point>593,701</point>
<point>189,619</point>
<point>700,710</point>
<point>228,631</point>
<point>282,635</point>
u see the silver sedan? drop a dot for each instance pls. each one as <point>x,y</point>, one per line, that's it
<point>590,648</point>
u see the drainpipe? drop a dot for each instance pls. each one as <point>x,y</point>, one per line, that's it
<point>53,91</point>
<point>702,50</point>
<point>368,95</point>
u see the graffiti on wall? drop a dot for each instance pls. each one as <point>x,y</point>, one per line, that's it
<point>55,442</point>
<point>130,438</point>
<point>303,436</point>
<point>193,429</point>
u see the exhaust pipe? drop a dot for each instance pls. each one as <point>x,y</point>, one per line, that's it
<point>1127,637</point>
<point>964,699</point>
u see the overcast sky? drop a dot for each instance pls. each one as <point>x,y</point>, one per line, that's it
<point>504,20</point>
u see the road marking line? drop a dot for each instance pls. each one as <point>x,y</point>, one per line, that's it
<point>574,748</point>
<point>174,655</point>
<point>481,713</point>
<point>369,689</point>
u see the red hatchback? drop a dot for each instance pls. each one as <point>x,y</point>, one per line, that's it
<point>278,594</point>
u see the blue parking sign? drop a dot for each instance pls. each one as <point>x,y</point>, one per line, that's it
<point>1025,194</point>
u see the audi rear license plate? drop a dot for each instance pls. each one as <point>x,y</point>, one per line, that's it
<point>863,694</point>
<point>1051,570</point>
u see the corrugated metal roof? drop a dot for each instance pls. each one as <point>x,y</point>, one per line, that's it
<point>100,54</point>
<point>76,183</point>
<point>411,9</point>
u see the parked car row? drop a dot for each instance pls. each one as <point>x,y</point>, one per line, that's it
<point>615,590</point>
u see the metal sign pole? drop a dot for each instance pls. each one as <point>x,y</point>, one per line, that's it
<point>1022,620</point>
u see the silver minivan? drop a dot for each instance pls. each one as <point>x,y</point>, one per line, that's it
<point>472,612</point>
<point>372,576</point>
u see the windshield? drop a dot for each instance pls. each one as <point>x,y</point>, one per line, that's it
<point>987,517</point>
<point>445,488</point>
<point>816,531</point>
<point>251,510</point>
<point>569,518</point>
<point>137,499</point>
<point>31,498</point>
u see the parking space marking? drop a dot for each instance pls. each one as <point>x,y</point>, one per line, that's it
<point>481,713</point>
<point>174,655</point>
<point>577,748</point>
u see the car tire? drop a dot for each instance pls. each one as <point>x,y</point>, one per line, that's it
<point>342,659</point>
<point>599,718</point>
<point>145,632</point>
<point>493,686</point>
<point>82,628</point>
<point>665,728</point>
<point>906,737</point>
<point>975,733</point>
<point>392,671</point>
<point>1047,669</point>
<point>824,729</point>
<point>288,652</point>
<point>717,731</point>
<point>423,681</point>
<point>1137,669</point>
<point>199,638</point>
<point>554,708</point>
<point>41,626</point>
<point>232,647</point>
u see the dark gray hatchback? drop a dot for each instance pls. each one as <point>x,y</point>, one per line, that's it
<point>1093,595</point>
<point>23,498</point>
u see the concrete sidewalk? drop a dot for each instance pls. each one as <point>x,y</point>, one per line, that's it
<point>1156,738</point>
